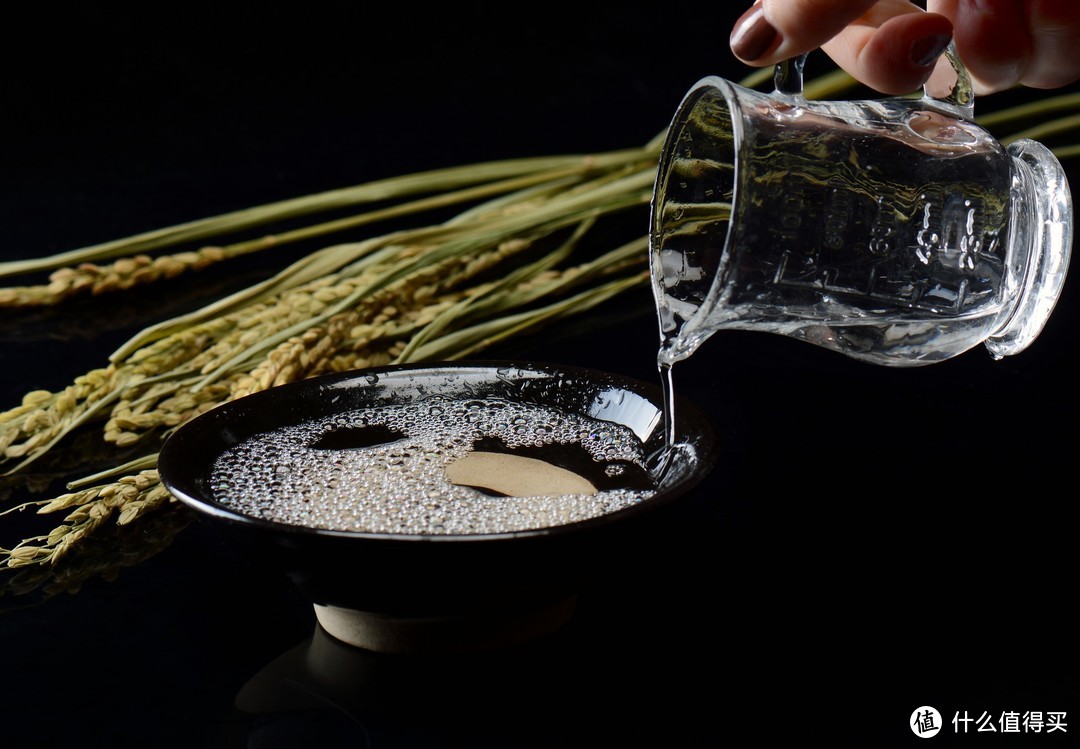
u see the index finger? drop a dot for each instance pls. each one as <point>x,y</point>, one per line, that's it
<point>775,30</point>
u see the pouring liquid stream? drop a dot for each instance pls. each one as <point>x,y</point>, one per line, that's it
<point>660,461</point>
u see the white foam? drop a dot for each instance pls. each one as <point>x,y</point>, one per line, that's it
<point>402,486</point>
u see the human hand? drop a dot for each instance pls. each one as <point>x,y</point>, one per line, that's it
<point>893,45</point>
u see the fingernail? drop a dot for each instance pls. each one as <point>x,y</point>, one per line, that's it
<point>753,35</point>
<point>928,49</point>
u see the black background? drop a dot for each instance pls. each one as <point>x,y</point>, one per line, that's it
<point>872,540</point>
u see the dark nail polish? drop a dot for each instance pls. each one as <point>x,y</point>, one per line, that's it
<point>925,51</point>
<point>753,35</point>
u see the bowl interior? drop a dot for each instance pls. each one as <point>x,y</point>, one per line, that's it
<point>187,460</point>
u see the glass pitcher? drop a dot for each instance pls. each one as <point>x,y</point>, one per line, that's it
<point>895,231</point>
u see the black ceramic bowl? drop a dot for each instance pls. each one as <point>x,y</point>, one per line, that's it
<point>398,592</point>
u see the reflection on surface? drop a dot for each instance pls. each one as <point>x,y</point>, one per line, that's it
<point>98,555</point>
<point>329,692</point>
<point>525,616</point>
<point>630,409</point>
<point>87,317</point>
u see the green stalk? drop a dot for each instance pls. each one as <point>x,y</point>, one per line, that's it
<point>550,218</point>
<point>146,462</point>
<point>431,203</point>
<point>1040,108</point>
<point>1045,129</point>
<point>432,181</point>
<point>475,303</point>
<point>462,343</point>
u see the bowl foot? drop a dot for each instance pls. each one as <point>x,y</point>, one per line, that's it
<point>470,632</point>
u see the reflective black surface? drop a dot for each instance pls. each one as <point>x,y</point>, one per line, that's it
<point>873,540</point>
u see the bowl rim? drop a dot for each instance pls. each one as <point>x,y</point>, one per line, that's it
<point>171,457</point>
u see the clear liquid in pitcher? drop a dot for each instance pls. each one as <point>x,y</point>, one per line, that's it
<point>874,229</point>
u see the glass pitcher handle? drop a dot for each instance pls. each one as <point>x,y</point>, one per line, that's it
<point>949,86</point>
<point>788,76</point>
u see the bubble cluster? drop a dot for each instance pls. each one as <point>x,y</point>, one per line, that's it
<point>399,484</point>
